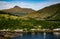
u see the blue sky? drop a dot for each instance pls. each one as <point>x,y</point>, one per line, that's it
<point>34,4</point>
<point>20,0</point>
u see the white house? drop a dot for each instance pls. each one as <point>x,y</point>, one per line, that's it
<point>19,30</point>
<point>57,29</point>
<point>5,30</point>
<point>32,29</point>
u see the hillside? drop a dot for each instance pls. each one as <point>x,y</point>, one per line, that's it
<point>12,21</point>
<point>16,10</point>
<point>4,15</point>
<point>49,12</point>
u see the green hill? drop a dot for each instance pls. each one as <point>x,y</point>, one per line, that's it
<point>16,10</point>
<point>44,16</point>
<point>50,12</point>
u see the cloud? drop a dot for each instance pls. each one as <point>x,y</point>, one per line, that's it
<point>36,6</point>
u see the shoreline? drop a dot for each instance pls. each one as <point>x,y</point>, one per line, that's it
<point>32,31</point>
<point>19,33</point>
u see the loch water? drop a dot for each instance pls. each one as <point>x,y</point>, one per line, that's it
<point>44,35</point>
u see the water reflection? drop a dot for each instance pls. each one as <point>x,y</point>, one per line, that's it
<point>37,36</point>
<point>57,35</point>
<point>44,35</point>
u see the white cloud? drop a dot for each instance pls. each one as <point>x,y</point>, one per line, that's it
<point>36,6</point>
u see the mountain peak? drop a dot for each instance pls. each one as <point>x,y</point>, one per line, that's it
<point>17,6</point>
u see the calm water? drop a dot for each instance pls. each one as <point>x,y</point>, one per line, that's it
<point>38,36</point>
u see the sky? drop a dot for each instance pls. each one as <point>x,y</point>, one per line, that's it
<point>34,4</point>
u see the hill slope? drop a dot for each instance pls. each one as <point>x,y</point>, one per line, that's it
<point>50,12</point>
<point>18,11</point>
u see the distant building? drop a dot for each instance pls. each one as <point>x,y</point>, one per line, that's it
<point>18,30</point>
<point>33,29</point>
<point>57,29</point>
<point>5,30</point>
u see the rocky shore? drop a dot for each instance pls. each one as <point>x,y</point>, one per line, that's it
<point>4,34</point>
